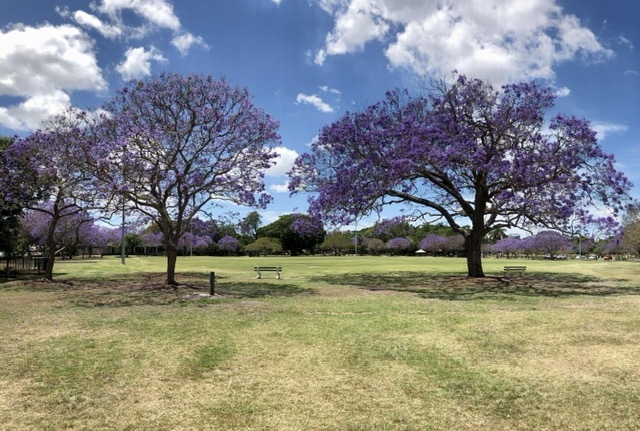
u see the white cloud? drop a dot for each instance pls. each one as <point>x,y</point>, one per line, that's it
<point>327,89</point>
<point>626,42</point>
<point>184,41</point>
<point>320,57</point>
<point>88,20</point>
<point>314,100</point>
<point>280,188</point>
<point>563,92</point>
<point>604,128</point>
<point>499,40</point>
<point>42,66</point>
<point>356,25</point>
<point>284,162</point>
<point>158,13</point>
<point>137,63</point>
<point>152,14</point>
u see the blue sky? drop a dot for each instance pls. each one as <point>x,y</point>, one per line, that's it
<point>308,61</point>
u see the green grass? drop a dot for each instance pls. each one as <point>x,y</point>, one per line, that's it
<point>348,343</point>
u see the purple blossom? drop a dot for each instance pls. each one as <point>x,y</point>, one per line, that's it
<point>476,157</point>
<point>228,243</point>
<point>306,226</point>
<point>551,243</point>
<point>173,145</point>
<point>399,244</point>
<point>432,242</point>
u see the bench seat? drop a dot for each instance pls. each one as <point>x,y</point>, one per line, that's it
<point>516,269</point>
<point>260,269</point>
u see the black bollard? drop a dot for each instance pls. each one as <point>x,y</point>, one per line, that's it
<point>212,283</point>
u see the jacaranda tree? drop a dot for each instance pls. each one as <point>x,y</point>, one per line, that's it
<point>11,203</point>
<point>551,243</point>
<point>172,145</point>
<point>46,168</point>
<point>480,159</point>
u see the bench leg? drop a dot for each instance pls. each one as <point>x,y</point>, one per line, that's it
<point>259,275</point>
<point>278,275</point>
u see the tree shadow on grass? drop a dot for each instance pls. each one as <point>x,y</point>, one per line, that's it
<point>461,287</point>
<point>149,289</point>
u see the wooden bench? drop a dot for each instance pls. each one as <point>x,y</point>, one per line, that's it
<point>260,269</point>
<point>514,269</point>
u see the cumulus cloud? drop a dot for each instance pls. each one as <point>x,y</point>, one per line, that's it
<point>284,162</point>
<point>184,41</point>
<point>155,13</point>
<point>41,66</point>
<point>314,100</point>
<point>85,19</point>
<point>137,63</point>
<point>563,92</point>
<point>280,188</point>
<point>107,19</point>
<point>494,39</point>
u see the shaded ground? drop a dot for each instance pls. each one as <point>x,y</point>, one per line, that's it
<point>148,289</point>
<point>460,287</point>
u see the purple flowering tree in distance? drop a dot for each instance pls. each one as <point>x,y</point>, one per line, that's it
<point>551,243</point>
<point>396,227</point>
<point>172,146</point>
<point>432,243</point>
<point>478,158</point>
<point>508,246</point>
<point>228,243</point>
<point>399,245</point>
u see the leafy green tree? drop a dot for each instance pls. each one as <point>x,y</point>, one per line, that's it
<point>250,224</point>
<point>264,245</point>
<point>630,239</point>
<point>296,232</point>
<point>338,242</point>
<point>374,245</point>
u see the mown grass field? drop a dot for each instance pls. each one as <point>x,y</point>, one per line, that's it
<point>339,343</point>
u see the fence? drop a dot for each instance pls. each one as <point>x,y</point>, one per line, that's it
<point>10,266</point>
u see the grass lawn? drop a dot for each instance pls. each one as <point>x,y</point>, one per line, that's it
<point>339,343</point>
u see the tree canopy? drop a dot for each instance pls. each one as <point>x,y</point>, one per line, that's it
<point>296,232</point>
<point>172,145</point>
<point>478,158</point>
<point>46,176</point>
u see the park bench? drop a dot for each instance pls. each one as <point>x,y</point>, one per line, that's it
<point>514,269</point>
<point>260,269</point>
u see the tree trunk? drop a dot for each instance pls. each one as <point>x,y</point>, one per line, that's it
<point>172,257</point>
<point>473,248</point>
<point>49,255</point>
<point>48,267</point>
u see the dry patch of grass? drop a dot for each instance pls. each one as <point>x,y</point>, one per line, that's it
<point>394,350</point>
